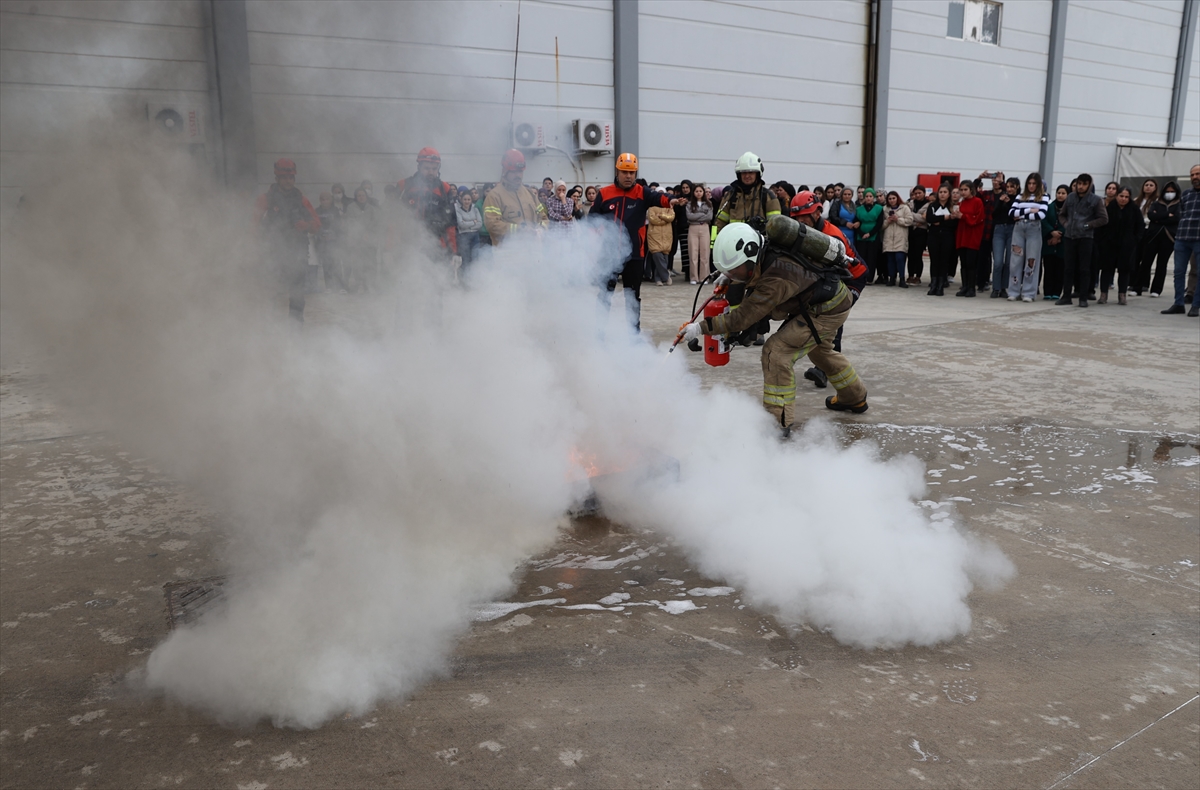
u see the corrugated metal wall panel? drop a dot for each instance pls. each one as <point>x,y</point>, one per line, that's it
<point>785,80</point>
<point>64,65</point>
<point>963,106</point>
<point>354,90</point>
<point>1118,69</point>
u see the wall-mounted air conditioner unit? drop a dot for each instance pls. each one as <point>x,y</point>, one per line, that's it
<point>528,136</point>
<point>178,122</point>
<point>594,137</point>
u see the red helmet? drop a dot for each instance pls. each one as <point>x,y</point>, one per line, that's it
<point>428,154</point>
<point>285,167</point>
<point>805,203</point>
<point>513,160</point>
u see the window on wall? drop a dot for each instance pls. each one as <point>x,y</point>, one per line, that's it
<point>974,20</point>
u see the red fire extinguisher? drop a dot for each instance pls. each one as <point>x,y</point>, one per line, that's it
<point>716,350</point>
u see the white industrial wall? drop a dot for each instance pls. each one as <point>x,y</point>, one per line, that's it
<point>964,106</point>
<point>1191,115</point>
<point>1118,71</point>
<point>352,91</point>
<point>783,79</point>
<point>66,65</point>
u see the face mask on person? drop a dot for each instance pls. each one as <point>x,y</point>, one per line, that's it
<point>1169,196</point>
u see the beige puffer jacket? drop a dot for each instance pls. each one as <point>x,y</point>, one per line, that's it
<point>895,234</point>
<point>660,233</point>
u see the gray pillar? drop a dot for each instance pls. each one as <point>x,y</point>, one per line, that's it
<point>235,124</point>
<point>1183,68</point>
<point>883,69</point>
<point>625,74</point>
<point>1058,34</point>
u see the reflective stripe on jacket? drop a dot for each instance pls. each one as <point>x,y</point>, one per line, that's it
<point>504,211</point>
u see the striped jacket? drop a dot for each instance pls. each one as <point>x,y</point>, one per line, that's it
<point>1029,208</point>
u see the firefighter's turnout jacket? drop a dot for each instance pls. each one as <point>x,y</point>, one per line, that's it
<point>784,289</point>
<point>740,202</point>
<point>504,211</point>
<point>780,289</point>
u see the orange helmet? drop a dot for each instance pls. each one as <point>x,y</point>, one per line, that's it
<point>805,203</point>
<point>285,167</point>
<point>627,162</point>
<point>428,154</point>
<point>513,160</point>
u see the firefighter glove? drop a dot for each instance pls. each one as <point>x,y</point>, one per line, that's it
<point>692,331</point>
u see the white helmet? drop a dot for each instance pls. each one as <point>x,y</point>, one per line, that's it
<point>749,163</point>
<point>736,244</point>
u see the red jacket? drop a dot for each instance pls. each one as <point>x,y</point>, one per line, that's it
<point>969,233</point>
<point>628,206</point>
<point>285,211</point>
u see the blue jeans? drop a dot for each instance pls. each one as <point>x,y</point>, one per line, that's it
<point>1184,252</point>
<point>1001,249</point>
<point>895,264</point>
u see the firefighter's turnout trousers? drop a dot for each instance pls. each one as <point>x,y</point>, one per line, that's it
<point>794,340</point>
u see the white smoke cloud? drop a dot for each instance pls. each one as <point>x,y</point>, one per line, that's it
<point>382,479</point>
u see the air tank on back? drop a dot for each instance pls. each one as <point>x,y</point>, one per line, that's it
<point>803,240</point>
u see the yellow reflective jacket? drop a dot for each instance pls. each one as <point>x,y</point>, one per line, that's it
<point>505,210</point>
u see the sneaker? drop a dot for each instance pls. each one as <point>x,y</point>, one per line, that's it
<point>1026,298</point>
<point>995,295</point>
<point>832,403</point>
<point>1004,293</point>
<point>817,377</point>
<point>1175,309</point>
<point>1154,295</point>
<point>1014,298</point>
<point>693,282</point>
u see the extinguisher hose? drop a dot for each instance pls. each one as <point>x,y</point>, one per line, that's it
<point>696,310</point>
<point>700,288</point>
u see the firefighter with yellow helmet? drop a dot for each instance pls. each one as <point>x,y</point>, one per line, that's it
<point>794,274</point>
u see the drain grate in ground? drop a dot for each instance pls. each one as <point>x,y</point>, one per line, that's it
<point>188,600</point>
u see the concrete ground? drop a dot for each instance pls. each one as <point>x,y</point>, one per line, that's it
<point>1068,436</point>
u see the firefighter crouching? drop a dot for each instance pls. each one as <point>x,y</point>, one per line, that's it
<point>793,274</point>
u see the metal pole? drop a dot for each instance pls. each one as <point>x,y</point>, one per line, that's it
<point>625,74</point>
<point>1183,68</point>
<point>231,50</point>
<point>883,68</point>
<point>1058,34</point>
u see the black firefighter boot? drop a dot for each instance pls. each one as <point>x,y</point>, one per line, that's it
<point>817,377</point>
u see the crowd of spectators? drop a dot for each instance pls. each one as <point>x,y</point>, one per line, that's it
<point>995,235</point>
